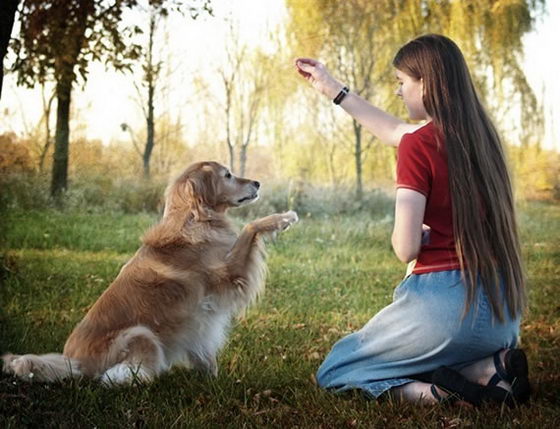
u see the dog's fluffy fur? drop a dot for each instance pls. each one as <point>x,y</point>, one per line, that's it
<point>172,303</point>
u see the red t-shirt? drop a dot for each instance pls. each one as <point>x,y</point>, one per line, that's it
<point>422,167</point>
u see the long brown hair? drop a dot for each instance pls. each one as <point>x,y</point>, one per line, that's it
<point>486,238</point>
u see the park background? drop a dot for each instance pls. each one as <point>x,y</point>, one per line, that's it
<point>154,86</point>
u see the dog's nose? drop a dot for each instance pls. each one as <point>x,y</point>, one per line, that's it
<point>256,184</point>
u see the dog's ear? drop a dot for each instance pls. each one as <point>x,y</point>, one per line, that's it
<point>202,191</point>
<point>193,195</point>
<point>176,199</point>
<point>189,199</point>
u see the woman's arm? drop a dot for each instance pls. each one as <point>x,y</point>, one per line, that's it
<point>409,218</point>
<point>388,128</point>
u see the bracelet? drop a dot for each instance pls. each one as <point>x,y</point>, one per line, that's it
<point>343,93</point>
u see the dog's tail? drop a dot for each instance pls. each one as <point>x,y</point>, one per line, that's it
<point>47,368</point>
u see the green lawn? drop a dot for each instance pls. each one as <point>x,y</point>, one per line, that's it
<point>327,277</point>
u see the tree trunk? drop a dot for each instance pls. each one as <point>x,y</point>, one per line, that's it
<point>331,164</point>
<point>47,108</point>
<point>242,160</point>
<point>7,16</point>
<point>151,132</point>
<point>64,64</point>
<point>231,148</point>
<point>231,151</point>
<point>358,159</point>
<point>59,181</point>
<point>152,71</point>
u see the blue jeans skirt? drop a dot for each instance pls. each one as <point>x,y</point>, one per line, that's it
<point>420,331</point>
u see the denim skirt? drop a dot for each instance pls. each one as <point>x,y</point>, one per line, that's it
<point>421,330</point>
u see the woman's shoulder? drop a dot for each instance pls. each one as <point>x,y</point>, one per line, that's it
<point>424,133</point>
<point>424,136</point>
<point>425,129</point>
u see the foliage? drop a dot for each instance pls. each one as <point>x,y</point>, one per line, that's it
<point>106,178</point>
<point>311,201</point>
<point>14,157</point>
<point>53,31</point>
<point>357,39</point>
<point>100,193</point>
<point>58,36</point>
<point>536,172</point>
<point>327,277</point>
<point>90,193</point>
<point>307,140</point>
<point>154,81</point>
<point>244,79</point>
<point>7,18</point>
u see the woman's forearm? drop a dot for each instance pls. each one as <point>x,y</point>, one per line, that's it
<point>386,127</point>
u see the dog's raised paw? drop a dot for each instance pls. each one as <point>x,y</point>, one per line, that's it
<point>288,219</point>
<point>276,222</point>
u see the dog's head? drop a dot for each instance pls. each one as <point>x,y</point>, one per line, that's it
<point>206,187</point>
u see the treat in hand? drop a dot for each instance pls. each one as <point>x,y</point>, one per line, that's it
<point>317,74</point>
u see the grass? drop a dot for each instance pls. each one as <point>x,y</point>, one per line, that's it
<point>328,276</point>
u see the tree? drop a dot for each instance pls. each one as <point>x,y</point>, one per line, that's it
<point>244,79</point>
<point>152,67</point>
<point>7,17</point>
<point>358,38</point>
<point>349,51</point>
<point>37,134</point>
<point>56,37</point>
<point>57,41</point>
<point>46,120</point>
<point>353,45</point>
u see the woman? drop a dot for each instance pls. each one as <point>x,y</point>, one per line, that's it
<point>454,321</point>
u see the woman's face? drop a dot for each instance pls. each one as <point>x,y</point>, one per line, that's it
<point>411,90</point>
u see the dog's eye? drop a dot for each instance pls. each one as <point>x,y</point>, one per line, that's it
<point>228,175</point>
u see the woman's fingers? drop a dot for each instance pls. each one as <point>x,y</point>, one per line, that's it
<point>308,65</point>
<point>303,73</point>
<point>306,61</point>
<point>305,66</point>
<point>316,73</point>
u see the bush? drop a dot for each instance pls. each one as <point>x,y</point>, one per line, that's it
<point>89,192</point>
<point>126,195</point>
<point>14,156</point>
<point>317,201</point>
<point>101,193</point>
<point>24,190</point>
<point>536,172</point>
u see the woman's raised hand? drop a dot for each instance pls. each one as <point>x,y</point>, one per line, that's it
<point>317,74</point>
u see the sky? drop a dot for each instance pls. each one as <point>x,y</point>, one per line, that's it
<point>109,98</point>
<point>542,67</point>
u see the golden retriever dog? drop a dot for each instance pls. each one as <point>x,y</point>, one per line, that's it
<point>174,301</point>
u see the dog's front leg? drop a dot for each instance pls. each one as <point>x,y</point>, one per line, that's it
<point>241,255</point>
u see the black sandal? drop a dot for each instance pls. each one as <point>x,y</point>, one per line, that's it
<point>436,394</point>
<point>515,371</point>
<point>450,399</point>
<point>473,393</point>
